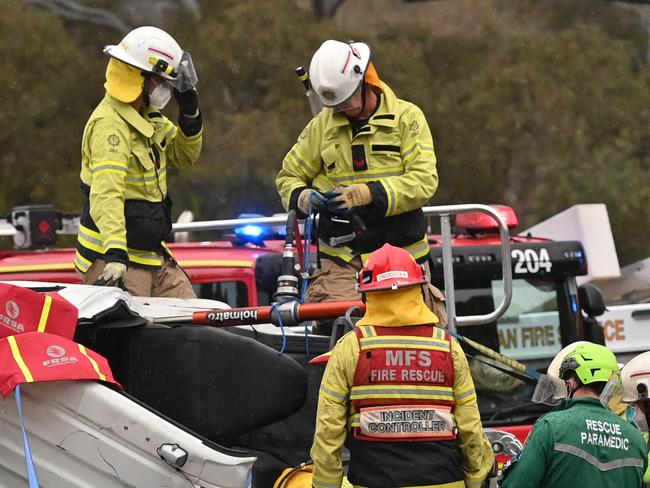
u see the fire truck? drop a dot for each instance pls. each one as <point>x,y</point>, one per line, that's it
<point>514,294</point>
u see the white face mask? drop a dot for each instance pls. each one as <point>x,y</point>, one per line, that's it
<point>160,96</point>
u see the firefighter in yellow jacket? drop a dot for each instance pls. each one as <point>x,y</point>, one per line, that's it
<point>399,391</point>
<point>365,162</point>
<point>127,148</point>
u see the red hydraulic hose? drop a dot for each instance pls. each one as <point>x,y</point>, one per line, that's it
<point>298,240</point>
<point>292,313</point>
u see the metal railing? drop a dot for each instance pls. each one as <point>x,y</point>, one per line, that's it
<point>444,212</point>
<point>229,223</point>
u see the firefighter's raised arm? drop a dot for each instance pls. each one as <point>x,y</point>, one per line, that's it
<point>183,142</point>
<point>127,146</point>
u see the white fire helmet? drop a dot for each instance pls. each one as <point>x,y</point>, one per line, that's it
<point>153,50</point>
<point>629,387</point>
<point>635,377</point>
<point>337,69</point>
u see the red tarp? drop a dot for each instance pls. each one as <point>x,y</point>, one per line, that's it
<point>24,310</point>
<point>37,356</point>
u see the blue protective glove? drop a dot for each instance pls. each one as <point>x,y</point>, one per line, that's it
<point>309,195</point>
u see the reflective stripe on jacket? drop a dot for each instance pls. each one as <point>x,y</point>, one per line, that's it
<point>580,444</point>
<point>124,162</point>
<point>399,167</point>
<point>389,357</point>
<point>336,414</point>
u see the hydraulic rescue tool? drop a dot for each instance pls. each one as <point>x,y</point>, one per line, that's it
<point>288,280</point>
<point>290,312</point>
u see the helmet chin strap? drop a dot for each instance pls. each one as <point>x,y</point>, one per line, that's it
<point>145,88</point>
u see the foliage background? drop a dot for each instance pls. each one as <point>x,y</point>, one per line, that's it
<point>538,105</point>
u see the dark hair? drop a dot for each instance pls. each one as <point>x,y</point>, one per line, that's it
<point>596,387</point>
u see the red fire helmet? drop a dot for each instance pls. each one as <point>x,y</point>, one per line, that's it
<point>390,268</point>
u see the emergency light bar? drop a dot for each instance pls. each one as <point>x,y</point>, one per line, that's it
<point>256,234</point>
<point>477,222</point>
<point>251,225</point>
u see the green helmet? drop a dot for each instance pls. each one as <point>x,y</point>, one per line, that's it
<point>591,363</point>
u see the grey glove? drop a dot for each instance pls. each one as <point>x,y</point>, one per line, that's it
<point>113,274</point>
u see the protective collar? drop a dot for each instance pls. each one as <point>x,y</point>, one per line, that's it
<point>402,307</point>
<point>131,116</point>
<point>372,78</point>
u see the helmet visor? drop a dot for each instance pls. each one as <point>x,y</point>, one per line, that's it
<point>549,390</point>
<point>639,418</point>
<point>352,103</point>
<point>612,395</point>
<point>186,77</point>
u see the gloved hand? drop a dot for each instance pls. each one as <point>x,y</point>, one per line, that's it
<point>113,275</point>
<point>341,200</point>
<point>317,200</point>
<point>188,102</point>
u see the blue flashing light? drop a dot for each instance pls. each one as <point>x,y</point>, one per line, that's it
<point>249,233</point>
<point>249,230</point>
<point>574,304</point>
<point>575,255</point>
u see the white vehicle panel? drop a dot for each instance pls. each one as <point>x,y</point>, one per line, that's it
<point>91,300</point>
<point>84,434</point>
<point>627,328</point>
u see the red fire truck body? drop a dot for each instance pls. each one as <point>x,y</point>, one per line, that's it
<point>210,265</point>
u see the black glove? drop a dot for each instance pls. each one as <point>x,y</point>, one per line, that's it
<point>188,102</point>
<point>334,205</point>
